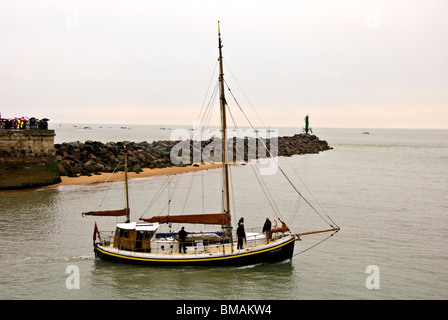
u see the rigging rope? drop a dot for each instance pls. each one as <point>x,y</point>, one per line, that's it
<point>258,116</point>
<point>276,162</point>
<point>296,209</point>
<point>208,88</point>
<point>188,193</point>
<point>208,110</point>
<point>116,168</point>
<point>267,194</point>
<point>260,179</point>
<point>202,192</point>
<point>298,176</point>
<point>159,192</point>
<point>233,193</point>
<point>316,244</point>
<point>205,118</point>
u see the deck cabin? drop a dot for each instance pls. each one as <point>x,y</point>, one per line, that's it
<point>134,236</point>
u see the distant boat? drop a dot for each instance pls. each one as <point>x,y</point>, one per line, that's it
<point>140,243</point>
<point>365,132</point>
<point>85,128</point>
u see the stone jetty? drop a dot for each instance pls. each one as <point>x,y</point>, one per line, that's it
<point>93,157</point>
<point>27,159</point>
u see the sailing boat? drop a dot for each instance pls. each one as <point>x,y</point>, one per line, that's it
<point>140,243</point>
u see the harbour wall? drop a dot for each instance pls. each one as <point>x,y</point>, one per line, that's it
<point>27,159</point>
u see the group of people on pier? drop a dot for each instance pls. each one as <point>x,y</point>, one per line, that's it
<point>24,123</point>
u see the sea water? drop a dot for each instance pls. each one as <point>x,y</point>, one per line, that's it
<point>387,191</point>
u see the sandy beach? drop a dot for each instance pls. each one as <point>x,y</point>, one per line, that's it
<point>119,176</point>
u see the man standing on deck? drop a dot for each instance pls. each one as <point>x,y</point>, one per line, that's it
<point>267,229</point>
<point>182,240</point>
<point>241,234</point>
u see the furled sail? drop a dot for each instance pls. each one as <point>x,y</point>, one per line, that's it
<point>211,218</point>
<point>108,213</point>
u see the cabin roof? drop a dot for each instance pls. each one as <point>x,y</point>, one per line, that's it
<point>138,226</point>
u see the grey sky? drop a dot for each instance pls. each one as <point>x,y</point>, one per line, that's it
<point>366,64</point>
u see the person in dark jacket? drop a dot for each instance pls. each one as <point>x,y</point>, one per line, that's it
<point>241,234</point>
<point>182,240</point>
<point>267,229</point>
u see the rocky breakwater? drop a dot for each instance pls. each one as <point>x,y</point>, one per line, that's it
<point>93,157</point>
<point>301,144</point>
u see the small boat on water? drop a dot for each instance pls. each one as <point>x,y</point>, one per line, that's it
<point>365,132</point>
<point>140,242</point>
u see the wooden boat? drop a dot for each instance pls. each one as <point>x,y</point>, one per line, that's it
<point>141,243</point>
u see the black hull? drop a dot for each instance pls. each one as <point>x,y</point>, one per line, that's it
<point>275,254</point>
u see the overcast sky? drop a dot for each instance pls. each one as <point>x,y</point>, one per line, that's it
<point>360,63</point>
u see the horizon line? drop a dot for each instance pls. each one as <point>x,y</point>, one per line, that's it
<point>270,127</point>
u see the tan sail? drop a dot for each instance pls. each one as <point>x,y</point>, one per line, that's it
<point>213,218</point>
<point>108,213</point>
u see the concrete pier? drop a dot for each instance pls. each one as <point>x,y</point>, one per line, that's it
<point>27,159</point>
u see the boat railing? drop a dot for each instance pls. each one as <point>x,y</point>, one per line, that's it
<point>194,246</point>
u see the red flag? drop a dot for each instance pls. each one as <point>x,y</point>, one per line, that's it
<point>95,231</point>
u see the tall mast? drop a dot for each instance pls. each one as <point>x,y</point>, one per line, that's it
<point>226,200</point>
<point>126,182</point>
